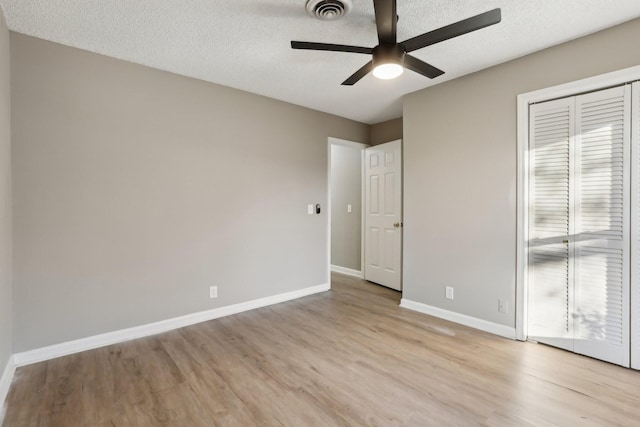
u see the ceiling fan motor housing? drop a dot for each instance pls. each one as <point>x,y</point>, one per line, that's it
<point>328,10</point>
<point>388,54</point>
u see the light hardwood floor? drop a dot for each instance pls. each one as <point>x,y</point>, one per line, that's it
<point>349,357</point>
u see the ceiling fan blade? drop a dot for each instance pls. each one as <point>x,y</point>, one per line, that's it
<point>330,47</point>
<point>366,69</point>
<point>386,20</point>
<point>414,64</point>
<point>454,30</point>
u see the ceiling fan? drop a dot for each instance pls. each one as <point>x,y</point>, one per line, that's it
<point>390,57</point>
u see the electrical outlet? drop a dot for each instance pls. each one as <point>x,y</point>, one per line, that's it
<point>502,306</point>
<point>448,292</point>
<point>213,292</point>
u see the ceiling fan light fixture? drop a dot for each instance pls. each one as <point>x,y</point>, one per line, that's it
<point>388,71</point>
<point>388,61</point>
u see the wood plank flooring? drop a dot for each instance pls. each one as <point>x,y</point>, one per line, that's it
<point>349,357</point>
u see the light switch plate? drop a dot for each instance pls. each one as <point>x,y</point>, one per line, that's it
<point>349,209</point>
<point>310,209</point>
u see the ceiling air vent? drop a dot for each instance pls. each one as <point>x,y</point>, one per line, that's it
<point>328,10</point>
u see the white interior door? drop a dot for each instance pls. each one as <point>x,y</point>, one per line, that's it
<point>579,224</point>
<point>550,264</point>
<point>383,214</point>
<point>601,231</point>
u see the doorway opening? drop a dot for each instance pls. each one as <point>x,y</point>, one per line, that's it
<point>345,207</point>
<point>365,211</point>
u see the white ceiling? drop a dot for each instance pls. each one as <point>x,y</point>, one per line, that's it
<point>245,43</point>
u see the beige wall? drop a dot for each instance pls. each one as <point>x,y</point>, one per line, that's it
<point>346,189</point>
<point>136,189</point>
<point>6,298</point>
<point>460,172</point>
<point>385,131</point>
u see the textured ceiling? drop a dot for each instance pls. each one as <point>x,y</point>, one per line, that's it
<point>245,43</point>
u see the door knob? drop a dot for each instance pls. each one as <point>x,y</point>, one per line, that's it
<point>565,241</point>
<point>396,225</point>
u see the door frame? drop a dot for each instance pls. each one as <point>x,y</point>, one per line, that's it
<point>590,84</point>
<point>356,145</point>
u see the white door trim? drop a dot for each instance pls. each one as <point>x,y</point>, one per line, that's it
<point>337,141</point>
<point>635,226</point>
<point>524,100</point>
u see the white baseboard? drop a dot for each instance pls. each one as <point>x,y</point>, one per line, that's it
<point>96,341</point>
<point>347,271</point>
<point>463,319</point>
<point>5,384</point>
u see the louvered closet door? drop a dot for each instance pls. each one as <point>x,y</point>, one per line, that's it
<point>550,269</point>
<point>601,240</point>
<point>635,226</point>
